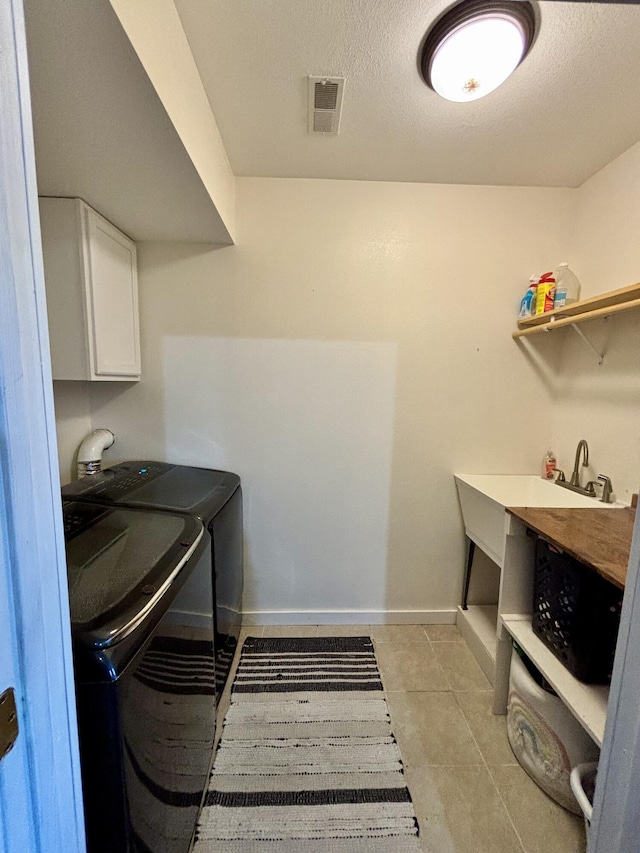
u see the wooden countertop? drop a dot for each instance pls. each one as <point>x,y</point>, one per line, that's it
<point>599,538</point>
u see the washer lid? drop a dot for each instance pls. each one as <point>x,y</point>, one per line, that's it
<point>201,492</point>
<point>120,562</point>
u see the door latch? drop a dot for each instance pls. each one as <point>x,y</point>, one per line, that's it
<point>8,721</point>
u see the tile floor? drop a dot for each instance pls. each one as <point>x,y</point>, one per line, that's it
<point>470,794</point>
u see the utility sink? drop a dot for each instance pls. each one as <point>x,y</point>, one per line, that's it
<point>490,629</point>
<point>484,497</point>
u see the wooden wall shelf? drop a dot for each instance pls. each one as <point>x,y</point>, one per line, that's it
<point>612,302</point>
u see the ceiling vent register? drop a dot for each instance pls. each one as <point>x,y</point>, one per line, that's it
<point>325,104</point>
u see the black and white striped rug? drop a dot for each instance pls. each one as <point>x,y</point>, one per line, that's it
<point>307,762</point>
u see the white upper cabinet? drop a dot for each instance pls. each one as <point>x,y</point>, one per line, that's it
<point>92,294</point>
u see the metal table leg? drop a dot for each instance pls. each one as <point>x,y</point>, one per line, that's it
<point>467,575</point>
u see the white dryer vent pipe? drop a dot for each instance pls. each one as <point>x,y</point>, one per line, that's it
<point>91,450</point>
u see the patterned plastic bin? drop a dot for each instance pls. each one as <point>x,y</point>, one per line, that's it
<point>545,737</point>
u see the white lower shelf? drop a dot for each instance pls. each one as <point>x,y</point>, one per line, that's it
<point>478,626</point>
<point>587,702</point>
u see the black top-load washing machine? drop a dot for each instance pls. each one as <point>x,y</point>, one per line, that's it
<point>214,498</point>
<point>144,672</point>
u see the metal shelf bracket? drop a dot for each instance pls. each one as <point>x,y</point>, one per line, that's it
<point>579,332</point>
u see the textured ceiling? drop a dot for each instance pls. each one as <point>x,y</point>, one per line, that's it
<point>569,109</point>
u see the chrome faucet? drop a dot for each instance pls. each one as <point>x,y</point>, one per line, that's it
<point>574,483</point>
<point>575,476</point>
<point>607,489</point>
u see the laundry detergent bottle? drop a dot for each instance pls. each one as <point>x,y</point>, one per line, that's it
<point>567,286</point>
<point>545,293</point>
<point>528,302</point>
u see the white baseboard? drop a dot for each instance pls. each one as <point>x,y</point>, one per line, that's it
<point>348,617</point>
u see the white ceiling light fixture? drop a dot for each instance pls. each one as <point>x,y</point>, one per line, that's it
<point>475,46</point>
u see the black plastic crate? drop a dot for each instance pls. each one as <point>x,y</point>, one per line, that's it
<point>576,613</point>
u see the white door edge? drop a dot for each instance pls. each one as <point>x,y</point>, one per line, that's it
<point>35,572</point>
<point>615,824</point>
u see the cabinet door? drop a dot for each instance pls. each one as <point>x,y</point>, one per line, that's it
<point>112,299</point>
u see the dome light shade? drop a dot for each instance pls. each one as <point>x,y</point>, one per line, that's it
<point>475,46</point>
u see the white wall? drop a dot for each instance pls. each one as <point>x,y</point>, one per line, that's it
<point>73,422</point>
<point>353,350</point>
<point>348,355</point>
<point>606,244</point>
<point>602,404</point>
